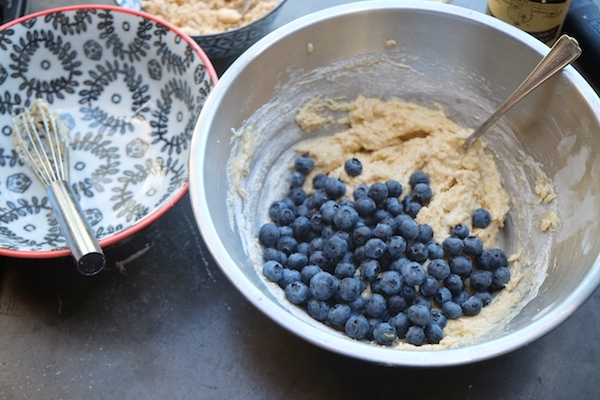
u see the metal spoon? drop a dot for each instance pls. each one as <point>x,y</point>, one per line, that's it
<point>564,51</point>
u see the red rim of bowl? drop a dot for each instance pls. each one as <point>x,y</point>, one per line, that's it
<point>148,219</point>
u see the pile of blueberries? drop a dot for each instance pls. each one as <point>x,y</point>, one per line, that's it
<point>367,268</point>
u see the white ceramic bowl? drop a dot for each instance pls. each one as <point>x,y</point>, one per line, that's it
<point>467,62</point>
<point>130,88</point>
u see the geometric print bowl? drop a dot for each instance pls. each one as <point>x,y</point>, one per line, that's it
<point>228,43</point>
<point>130,88</point>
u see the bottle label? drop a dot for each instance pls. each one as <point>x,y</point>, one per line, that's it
<point>541,18</point>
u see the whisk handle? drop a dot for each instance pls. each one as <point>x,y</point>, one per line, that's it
<point>86,251</point>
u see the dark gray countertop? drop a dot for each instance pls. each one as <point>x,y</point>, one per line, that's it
<point>162,322</point>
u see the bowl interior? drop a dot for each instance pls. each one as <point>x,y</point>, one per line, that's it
<point>468,64</point>
<point>129,89</point>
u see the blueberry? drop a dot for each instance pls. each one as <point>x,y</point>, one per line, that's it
<point>316,223</point>
<point>460,298</point>
<point>435,250</point>
<point>369,269</point>
<point>419,314</point>
<point>394,188</point>
<point>391,282</point>
<point>460,231</point>
<point>318,309</point>
<point>383,231</point>
<point>300,227</point>
<point>481,218</point>
<point>357,327</point>
<point>460,265</point>
<point>318,197</point>
<point>438,318</point>
<point>396,304</point>
<point>285,231</point>
<point>384,334</point>
<point>443,295</point>
<point>360,191</point>
<point>349,288</point>
<point>268,235</point>
<point>319,181</point>
<point>415,335</point>
<point>286,216</point>
<point>425,234</point>
<point>302,211</point>
<point>297,179</point>
<point>434,333</point>
<point>407,227</point>
<point>357,305</point>
<point>273,271</point>
<point>353,167</point>
<point>335,188</point>
<point>452,245</point>
<point>423,301</point>
<point>304,164</point>
<point>365,206</point>
<point>297,261</point>
<point>393,206</point>
<point>484,260</point>
<point>328,210</point>
<point>481,280</point>
<point>401,323</point>
<point>297,195</point>
<point>344,269</point>
<point>323,285</point>
<point>451,310</point>
<point>418,177</point>
<point>378,192</point>
<point>308,272</point>
<point>396,246</point>
<point>500,278</point>
<point>375,305</point>
<point>454,283</point>
<point>412,209</point>
<point>304,248</point>
<point>316,244</point>
<point>498,258</point>
<point>430,287</point>
<point>296,292</point>
<point>338,315</point>
<point>275,209</point>
<point>413,274</point>
<point>345,218</point>
<point>472,246</point>
<point>399,264</point>
<point>417,252</point>
<point>422,193</point>
<point>361,234</point>
<point>485,297</point>
<point>289,276</point>
<point>438,268</point>
<point>409,293</point>
<point>472,306</point>
<point>375,248</point>
<point>334,249</point>
<point>271,253</point>
<point>287,245</point>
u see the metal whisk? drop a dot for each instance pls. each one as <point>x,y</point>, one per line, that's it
<point>42,142</point>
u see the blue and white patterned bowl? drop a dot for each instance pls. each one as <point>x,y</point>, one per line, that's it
<point>229,43</point>
<point>130,88</point>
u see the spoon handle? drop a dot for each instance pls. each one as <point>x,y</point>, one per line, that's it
<point>564,51</point>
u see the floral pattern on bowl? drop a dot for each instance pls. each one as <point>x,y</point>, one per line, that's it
<point>130,89</point>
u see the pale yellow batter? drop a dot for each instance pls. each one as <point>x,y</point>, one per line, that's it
<point>394,138</point>
<point>204,17</point>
